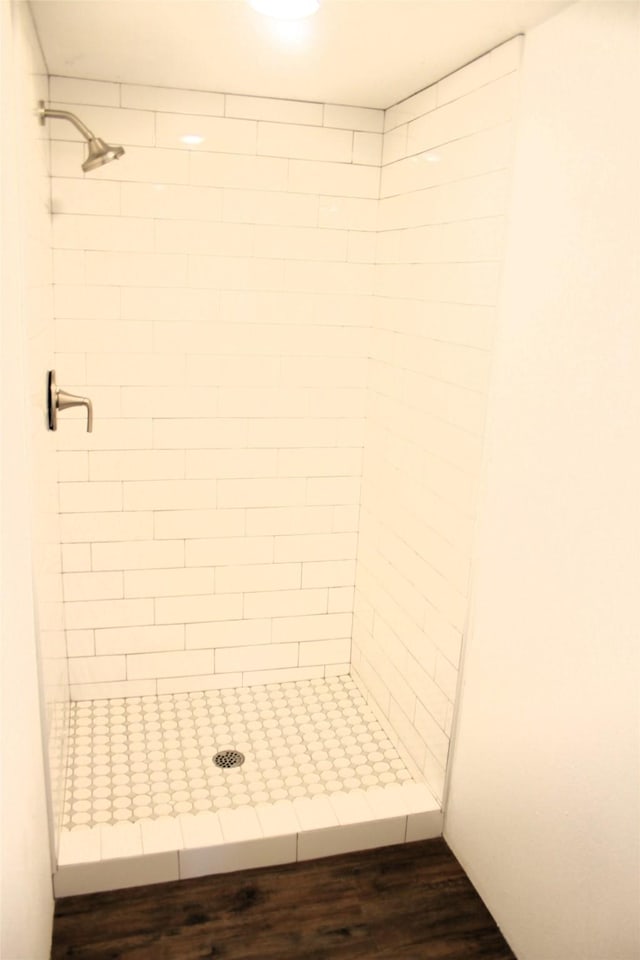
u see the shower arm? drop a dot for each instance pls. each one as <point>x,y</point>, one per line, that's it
<point>47,114</point>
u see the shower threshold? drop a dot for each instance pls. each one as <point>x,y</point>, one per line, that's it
<point>145,802</point>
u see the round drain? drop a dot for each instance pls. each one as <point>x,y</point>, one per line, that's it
<point>228,758</point>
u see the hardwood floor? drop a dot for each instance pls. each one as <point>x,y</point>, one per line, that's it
<point>408,902</point>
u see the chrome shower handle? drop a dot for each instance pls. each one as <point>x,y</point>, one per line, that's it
<point>58,399</point>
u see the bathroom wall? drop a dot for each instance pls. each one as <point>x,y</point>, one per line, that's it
<point>214,299</point>
<point>544,798</point>
<point>444,190</point>
<point>30,570</point>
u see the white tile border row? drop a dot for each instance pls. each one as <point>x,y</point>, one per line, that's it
<point>175,848</point>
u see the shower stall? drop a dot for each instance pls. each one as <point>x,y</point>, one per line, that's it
<point>281,313</point>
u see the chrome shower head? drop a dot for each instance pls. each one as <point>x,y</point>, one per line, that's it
<point>99,151</point>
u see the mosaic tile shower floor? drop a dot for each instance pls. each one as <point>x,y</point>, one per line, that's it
<point>141,758</point>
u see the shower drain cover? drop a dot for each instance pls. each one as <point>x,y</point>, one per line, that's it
<point>228,758</point>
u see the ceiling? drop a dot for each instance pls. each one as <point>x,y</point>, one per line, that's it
<point>361,52</point>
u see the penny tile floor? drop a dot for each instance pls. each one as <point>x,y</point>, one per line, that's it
<point>140,758</point>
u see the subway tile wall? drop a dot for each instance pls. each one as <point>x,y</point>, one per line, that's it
<point>251,313</point>
<point>214,297</point>
<point>443,200</point>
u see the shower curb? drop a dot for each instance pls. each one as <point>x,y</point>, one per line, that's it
<point>112,857</point>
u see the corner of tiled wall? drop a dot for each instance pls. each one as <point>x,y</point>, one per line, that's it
<point>443,199</point>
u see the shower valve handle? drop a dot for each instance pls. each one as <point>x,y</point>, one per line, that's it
<point>58,399</point>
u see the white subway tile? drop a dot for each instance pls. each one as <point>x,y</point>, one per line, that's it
<point>270,207</point>
<point>259,577</point>
<point>325,651</point>
<point>229,633</point>
<point>320,463</point>
<point>483,108</point>
<point>277,819</point>
<point>86,303</point>
<point>285,675</point>
<point>169,494</point>
<point>285,603</point>
<point>270,657</point>
<point>353,118</point>
<point>96,669</point>
<point>161,835</point>
<point>329,573</point>
<point>218,134</point>
<point>75,557</point>
<point>348,213</point>
<point>135,465</point>
<point>504,59</point>
<point>137,554</point>
<point>307,547</point>
<point>94,614</point>
<point>79,846</point>
<point>300,243</point>
<point>151,639</point>
<point>199,433</point>
<point>92,586</point>
<point>200,237</point>
<point>394,145</point>
<point>168,583</point>
<point>114,689</point>
<point>72,465</point>
<point>198,682</point>
<point>231,463</point>
<point>85,196</point>
<point>226,551</point>
<point>407,110</point>
<point>68,266</point>
<point>80,643</point>
<point>336,490</point>
<point>260,492</point>
<point>186,524</point>
<point>70,90</point>
<point>226,170</point>
<point>92,527</point>
<point>305,142</point>
<point>341,600</point>
<point>136,269</point>
<point>90,497</point>
<point>316,277</point>
<point>367,148</point>
<point>300,432</point>
<point>335,179</point>
<point>178,401</point>
<point>167,201</point>
<point>362,247</point>
<point>196,609</point>
<point>278,111</point>
<point>93,336</point>
<point>125,840</point>
<point>88,232</point>
<point>170,99</point>
<point>306,628</point>
<point>289,520</point>
<point>141,666</point>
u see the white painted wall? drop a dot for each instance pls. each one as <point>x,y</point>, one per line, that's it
<point>27,900</point>
<point>543,804</point>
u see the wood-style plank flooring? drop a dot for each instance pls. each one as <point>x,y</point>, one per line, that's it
<point>408,902</point>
